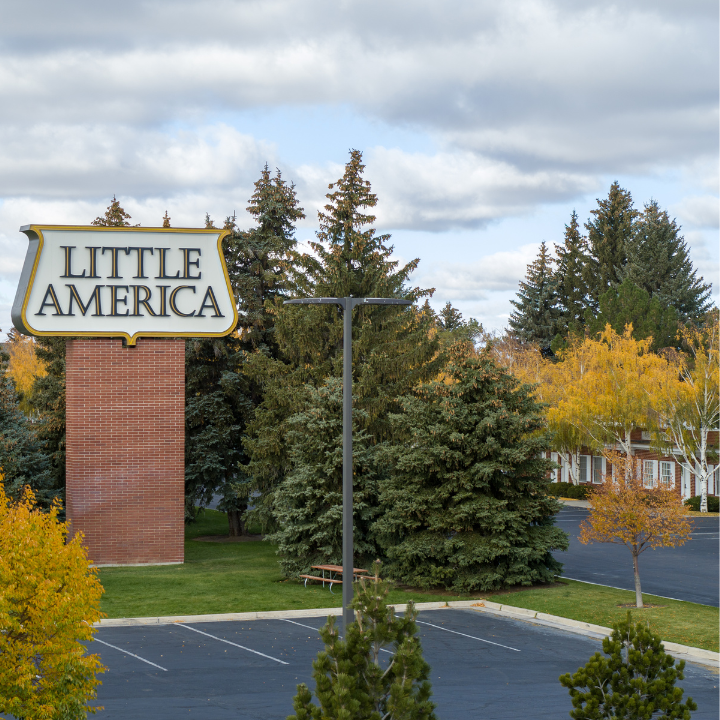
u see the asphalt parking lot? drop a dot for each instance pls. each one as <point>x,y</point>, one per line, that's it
<point>483,666</point>
<point>689,572</point>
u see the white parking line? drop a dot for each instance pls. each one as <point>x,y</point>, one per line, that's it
<point>127,652</point>
<point>242,647</point>
<point>316,630</point>
<point>472,637</point>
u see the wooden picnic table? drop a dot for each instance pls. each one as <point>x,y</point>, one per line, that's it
<point>330,569</point>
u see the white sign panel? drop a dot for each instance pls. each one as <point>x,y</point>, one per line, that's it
<point>124,282</point>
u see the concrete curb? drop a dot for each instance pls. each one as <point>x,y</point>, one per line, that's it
<point>682,652</point>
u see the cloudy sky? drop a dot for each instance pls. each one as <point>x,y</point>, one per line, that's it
<point>483,124</point>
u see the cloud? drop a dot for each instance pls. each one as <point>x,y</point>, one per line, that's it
<point>702,211</point>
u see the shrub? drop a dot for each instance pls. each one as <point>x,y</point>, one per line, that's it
<point>568,490</point>
<point>713,503</point>
<point>636,681</point>
<point>350,681</point>
<point>49,598</point>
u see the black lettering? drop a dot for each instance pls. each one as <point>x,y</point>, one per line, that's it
<point>93,261</point>
<point>173,306</point>
<point>84,307</point>
<point>187,263</point>
<point>140,260</point>
<point>68,262</point>
<point>161,266</point>
<point>210,302</point>
<point>53,302</point>
<point>138,301</point>
<point>114,300</point>
<point>114,252</point>
<point>163,300</point>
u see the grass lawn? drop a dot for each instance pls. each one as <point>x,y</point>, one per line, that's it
<point>243,577</point>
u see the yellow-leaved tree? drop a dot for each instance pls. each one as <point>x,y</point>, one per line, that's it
<point>24,366</point>
<point>625,512</point>
<point>49,599</point>
<point>600,387</point>
<point>686,399</point>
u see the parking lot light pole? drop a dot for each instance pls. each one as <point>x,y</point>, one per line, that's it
<point>347,304</point>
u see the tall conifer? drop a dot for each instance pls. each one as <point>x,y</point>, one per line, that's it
<point>537,314</point>
<point>659,263</point>
<point>393,348</point>
<point>571,287</point>
<point>608,236</point>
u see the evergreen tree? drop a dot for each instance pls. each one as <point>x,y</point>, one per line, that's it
<point>608,236</point>
<point>308,504</point>
<point>571,287</point>
<point>464,504</point>
<point>166,220</point>
<point>115,216</point>
<point>393,349</point>
<point>629,304</point>
<point>659,263</point>
<point>537,314</point>
<point>23,460</point>
<point>636,681</point>
<point>450,318</point>
<point>351,682</point>
<point>453,327</point>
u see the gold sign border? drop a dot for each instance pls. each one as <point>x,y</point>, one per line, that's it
<point>131,339</point>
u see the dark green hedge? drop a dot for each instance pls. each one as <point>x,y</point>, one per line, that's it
<point>567,490</point>
<point>713,503</point>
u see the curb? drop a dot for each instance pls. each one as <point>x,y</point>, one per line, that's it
<point>682,652</point>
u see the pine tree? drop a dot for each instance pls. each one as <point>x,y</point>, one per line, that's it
<point>628,304</point>
<point>635,681</point>
<point>464,504</point>
<point>393,348</point>
<point>571,287</point>
<point>537,314</point>
<point>608,237</point>
<point>450,318</point>
<point>659,263</point>
<point>23,460</point>
<point>166,220</point>
<point>351,681</point>
<point>308,504</point>
<point>115,216</point>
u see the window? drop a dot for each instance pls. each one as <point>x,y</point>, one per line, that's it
<point>649,473</point>
<point>584,469</point>
<point>597,476</point>
<point>667,474</point>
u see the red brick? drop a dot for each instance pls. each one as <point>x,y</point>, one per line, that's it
<point>126,448</point>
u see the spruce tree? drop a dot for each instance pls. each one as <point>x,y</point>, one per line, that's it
<point>351,678</point>
<point>659,263</point>
<point>537,314</point>
<point>634,681</point>
<point>629,304</point>
<point>166,220</point>
<point>308,504</point>
<point>23,460</point>
<point>464,502</point>
<point>608,236</point>
<point>571,287</point>
<point>393,348</point>
<point>115,216</point>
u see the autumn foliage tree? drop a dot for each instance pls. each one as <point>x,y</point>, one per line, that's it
<point>624,511</point>
<point>24,366</point>
<point>49,600</point>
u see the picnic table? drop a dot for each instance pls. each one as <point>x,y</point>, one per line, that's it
<point>332,569</point>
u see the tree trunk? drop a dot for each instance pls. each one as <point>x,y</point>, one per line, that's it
<point>236,523</point>
<point>703,492</point>
<point>636,571</point>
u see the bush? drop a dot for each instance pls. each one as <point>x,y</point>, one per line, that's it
<point>49,599</point>
<point>636,681</point>
<point>568,490</point>
<point>694,503</point>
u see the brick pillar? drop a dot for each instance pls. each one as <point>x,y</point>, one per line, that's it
<point>125,448</point>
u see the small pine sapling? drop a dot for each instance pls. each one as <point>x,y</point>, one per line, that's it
<point>636,681</point>
<point>353,679</point>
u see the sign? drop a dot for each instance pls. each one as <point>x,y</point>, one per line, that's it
<point>124,282</point>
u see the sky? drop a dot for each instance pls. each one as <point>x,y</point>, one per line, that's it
<point>483,125</point>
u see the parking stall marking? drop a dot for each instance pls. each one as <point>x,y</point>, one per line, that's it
<point>242,647</point>
<point>472,637</point>
<point>316,629</point>
<point>127,652</point>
